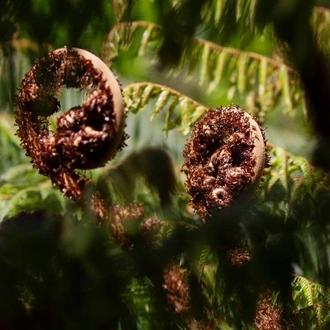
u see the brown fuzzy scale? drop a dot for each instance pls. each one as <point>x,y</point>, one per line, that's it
<point>176,288</point>
<point>238,256</point>
<point>86,136</point>
<point>269,316</point>
<point>118,216</point>
<point>220,160</point>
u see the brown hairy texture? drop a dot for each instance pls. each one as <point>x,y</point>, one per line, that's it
<point>176,288</point>
<point>268,316</point>
<point>238,256</point>
<point>201,325</point>
<point>151,229</point>
<point>120,217</point>
<point>86,137</point>
<point>224,157</point>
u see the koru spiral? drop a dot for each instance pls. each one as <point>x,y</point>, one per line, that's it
<point>87,135</point>
<point>224,157</point>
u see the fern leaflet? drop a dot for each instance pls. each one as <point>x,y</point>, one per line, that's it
<point>265,82</point>
<point>182,111</point>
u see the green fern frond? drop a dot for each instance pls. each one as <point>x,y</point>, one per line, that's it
<point>270,181</point>
<point>214,11</point>
<point>300,188</point>
<point>265,82</point>
<point>6,128</point>
<point>119,7</point>
<point>280,160</point>
<point>23,188</point>
<point>15,174</point>
<point>203,260</point>
<point>312,298</point>
<point>123,34</point>
<point>321,25</point>
<point>292,168</point>
<point>14,199</point>
<point>11,151</point>
<point>305,169</point>
<point>182,111</point>
<point>305,290</point>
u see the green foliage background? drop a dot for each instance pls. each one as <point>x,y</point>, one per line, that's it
<point>175,59</point>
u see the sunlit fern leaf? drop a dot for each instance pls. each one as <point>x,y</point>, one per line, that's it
<point>215,12</point>
<point>23,188</point>
<point>205,63</point>
<point>298,193</point>
<point>284,78</point>
<point>295,187</point>
<point>147,37</point>
<point>15,174</point>
<point>281,162</point>
<point>241,77</point>
<point>208,280</point>
<point>170,120</point>
<point>218,71</point>
<point>181,111</point>
<point>292,168</point>
<point>16,199</point>
<point>321,25</point>
<point>6,127</point>
<point>13,65</point>
<point>162,100</point>
<point>212,11</point>
<point>304,291</point>
<point>271,81</point>
<point>306,171</point>
<point>265,82</point>
<point>122,35</point>
<point>11,151</point>
<point>120,6</point>
<point>270,181</point>
<point>203,260</point>
<point>312,298</point>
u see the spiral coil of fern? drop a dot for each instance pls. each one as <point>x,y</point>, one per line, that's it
<point>87,136</point>
<point>224,158</point>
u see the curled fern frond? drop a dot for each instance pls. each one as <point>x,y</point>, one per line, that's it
<point>86,136</point>
<point>224,158</point>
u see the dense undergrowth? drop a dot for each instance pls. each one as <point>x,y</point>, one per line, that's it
<point>152,262</point>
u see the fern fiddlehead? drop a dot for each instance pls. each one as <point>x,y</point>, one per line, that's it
<point>224,157</point>
<point>86,136</point>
